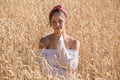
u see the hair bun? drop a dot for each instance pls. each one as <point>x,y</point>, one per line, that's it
<point>58,7</point>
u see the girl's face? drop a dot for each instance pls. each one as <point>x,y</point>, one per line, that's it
<point>58,22</point>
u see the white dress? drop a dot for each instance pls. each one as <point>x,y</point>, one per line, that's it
<point>60,61</point>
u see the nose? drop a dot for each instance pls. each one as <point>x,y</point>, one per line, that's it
<point>58,24</point>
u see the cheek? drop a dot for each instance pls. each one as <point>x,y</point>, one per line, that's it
<point>53,26</point>
<point>63,25</point>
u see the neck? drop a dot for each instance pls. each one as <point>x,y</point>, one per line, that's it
<point>57,36</point>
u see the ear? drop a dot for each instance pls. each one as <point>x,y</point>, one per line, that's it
<point>50,23</point>
<point>66,21</point>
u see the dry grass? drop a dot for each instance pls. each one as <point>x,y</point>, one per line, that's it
<point>95,23</point>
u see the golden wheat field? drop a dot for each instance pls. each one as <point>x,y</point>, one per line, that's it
<point>95,23</point>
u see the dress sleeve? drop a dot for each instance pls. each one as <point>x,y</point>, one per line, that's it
<point>72,59</point>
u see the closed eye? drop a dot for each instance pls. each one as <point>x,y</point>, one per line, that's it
<point>54,22</point>
<point>60,21</point>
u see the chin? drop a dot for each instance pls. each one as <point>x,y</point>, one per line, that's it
<point>58,32</point>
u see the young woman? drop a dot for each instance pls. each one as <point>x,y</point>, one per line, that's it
<point>59,49</point>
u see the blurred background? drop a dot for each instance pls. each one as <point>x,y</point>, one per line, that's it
<point>95,23</point>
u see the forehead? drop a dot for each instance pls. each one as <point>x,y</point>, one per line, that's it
<point>58,16</point>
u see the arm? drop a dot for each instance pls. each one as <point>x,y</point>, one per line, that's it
<point>75,45</point>
<point>43,43</point>
<point>74,62</point>
<point>67,58</point>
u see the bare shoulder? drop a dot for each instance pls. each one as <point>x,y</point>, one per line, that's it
<point>44,42</point>
<point>75,44</point>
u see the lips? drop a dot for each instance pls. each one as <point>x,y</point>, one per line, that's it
<point>57,28</point>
